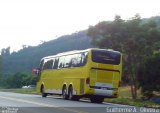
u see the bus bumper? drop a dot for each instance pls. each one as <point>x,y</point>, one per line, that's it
<point>103,92</point>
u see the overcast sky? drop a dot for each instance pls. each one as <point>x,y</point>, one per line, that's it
<point>28,22</point>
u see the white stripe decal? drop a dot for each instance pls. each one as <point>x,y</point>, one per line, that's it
<point>103,92</point>
<point>100,84</point>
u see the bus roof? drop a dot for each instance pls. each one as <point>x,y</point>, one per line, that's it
<point>75,51</point>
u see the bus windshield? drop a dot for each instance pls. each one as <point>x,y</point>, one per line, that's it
<point>106,57</point>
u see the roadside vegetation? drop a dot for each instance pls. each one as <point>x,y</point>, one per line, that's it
<point>125,98</point>
<point>20,90</point>
<point>17,80</point>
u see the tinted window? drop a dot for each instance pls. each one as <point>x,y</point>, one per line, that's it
<point>55,64</point>
<point>48,64</point>
<point>68,61</point>
<point>41,64</point>
<point>84,58</point>
<point>61,62</point>
<point>106,57</point>
<point>74,60</point>
<point>79,59</point>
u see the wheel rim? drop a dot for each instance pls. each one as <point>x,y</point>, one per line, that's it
<point>70,93</point>
<point>42,90</point>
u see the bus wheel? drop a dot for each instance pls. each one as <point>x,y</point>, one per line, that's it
<point>42,92</point>
<point>70,92</point>
<point>64,92</point>
<point>95,99</point>
<point>75,98</point>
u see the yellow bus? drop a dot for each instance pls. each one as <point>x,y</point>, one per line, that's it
<point>92,73</point>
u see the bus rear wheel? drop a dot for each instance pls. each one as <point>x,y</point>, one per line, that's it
<point>71,96</point>
<point>96,99</point>
<point>70,93</point>
<point>76,98</point>
<point>64,92</point>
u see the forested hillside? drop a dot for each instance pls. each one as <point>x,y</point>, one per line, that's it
<point>28,57</point>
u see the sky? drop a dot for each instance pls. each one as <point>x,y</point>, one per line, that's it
<point>30,22</point>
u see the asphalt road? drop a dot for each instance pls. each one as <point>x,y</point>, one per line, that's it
<point>27,103</point>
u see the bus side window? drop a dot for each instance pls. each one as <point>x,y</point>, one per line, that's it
<point>84,58</point>
<point>68,62</point>
<point>53,62</point>
<point>61,62</point>
<point>79,59</point>
<point>55,65</point>
<point>74,61</point>
<point>48,64</point>
<point>41,65</point>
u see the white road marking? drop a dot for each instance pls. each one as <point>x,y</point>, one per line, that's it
<point>42,105</point>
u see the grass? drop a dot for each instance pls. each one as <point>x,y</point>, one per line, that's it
<point>20,90</point>
<point>131,102</point>
<point>125,98</point>
<point>26,91</point>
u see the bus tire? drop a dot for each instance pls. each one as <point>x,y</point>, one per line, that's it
<point>64,92</point>
<point>96,99</point>
<point>42,92</point>
<point>70,92</point>
<point>76,98</point>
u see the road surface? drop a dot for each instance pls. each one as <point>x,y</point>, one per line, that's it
<point>27,103</point>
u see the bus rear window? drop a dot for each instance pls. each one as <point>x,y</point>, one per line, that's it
<point>106,57</point>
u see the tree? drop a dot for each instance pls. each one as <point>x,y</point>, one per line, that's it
<point>5,51</point>
<point>18,80</point>
<point>131,37</point>
<point>149,76</point>
<point>0,70</point>
<point>0,64</point>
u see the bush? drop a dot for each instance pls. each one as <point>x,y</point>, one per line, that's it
<point>17,80</point>
<point>149,76</point>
